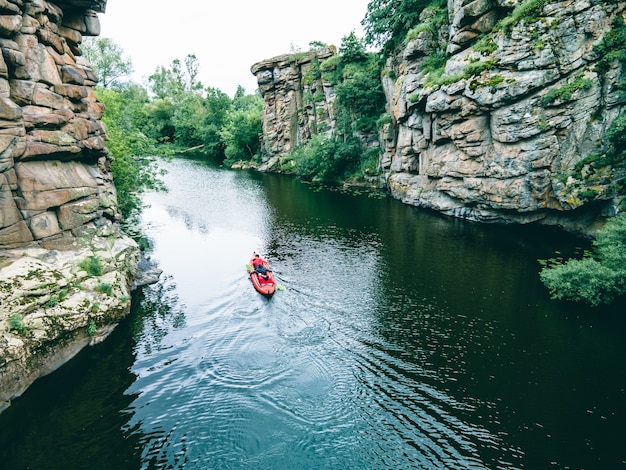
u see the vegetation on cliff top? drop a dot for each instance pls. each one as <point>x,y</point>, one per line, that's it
<point>387,22</point>
<point>359,104</point>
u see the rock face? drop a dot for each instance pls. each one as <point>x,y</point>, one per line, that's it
<point>498,136</point>
<point>297,102</point>
<point>500,143</point>
<point>65,267</point>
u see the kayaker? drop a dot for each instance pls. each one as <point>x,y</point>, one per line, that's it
<point>257,264</point>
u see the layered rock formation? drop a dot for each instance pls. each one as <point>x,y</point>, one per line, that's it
<point>297,102</point>
<point>500,134</point>
<point>518,111</point>
<point>65,267</point>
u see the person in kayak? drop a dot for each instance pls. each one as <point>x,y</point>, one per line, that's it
<point>260,269</point>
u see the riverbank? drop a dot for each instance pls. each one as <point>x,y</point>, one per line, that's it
<point>55,302</point>
<point>583,222</point>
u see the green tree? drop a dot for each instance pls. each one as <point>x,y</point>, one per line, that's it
<point>387,22</point>
<point>188,120</point>
<point>107,60</point>
<point>217,105</point>
<point>353,49</point>
<point>133,169</point>
<point>360,100</point>
<point>243,126</point>
<point>597,278</point>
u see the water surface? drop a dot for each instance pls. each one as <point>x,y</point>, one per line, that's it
<point>403,339</point>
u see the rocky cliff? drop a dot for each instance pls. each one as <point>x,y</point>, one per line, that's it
<point>298,103</point>
<point>65,267</point>
<point>506,127</point>
<point>500,135</point>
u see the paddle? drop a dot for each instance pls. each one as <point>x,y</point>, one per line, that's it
<point>278,286</point>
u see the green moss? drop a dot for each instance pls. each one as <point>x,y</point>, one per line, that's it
<point>528,11</point>
<point>566,92</point>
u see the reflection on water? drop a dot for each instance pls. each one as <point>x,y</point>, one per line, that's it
<point>403,340</point>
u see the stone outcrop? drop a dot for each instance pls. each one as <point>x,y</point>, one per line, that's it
<point>498,136</point>
<point>297,102</point>
<point>65,267</point>
<point>499,140</point>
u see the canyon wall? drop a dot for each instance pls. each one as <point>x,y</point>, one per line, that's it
<point>506,130</point>
<point>65,267</point>
<point>298,103</point>
<point>520,110</point>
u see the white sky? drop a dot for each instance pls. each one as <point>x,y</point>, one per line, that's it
<point>227,36</point>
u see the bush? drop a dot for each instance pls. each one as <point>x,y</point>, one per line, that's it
<point>92,265</point>
<point>584,280</point>
<point>599,277</point>
<point>17,325</point>
<point>91,328</point>
<point>326,159</point>
<point>105,288</point>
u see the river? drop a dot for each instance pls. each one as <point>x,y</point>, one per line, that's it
<point>402,339</point>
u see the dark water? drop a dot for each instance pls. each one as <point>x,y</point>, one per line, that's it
<point>403,340</point>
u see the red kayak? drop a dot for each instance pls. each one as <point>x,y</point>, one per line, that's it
<point>263,283</point>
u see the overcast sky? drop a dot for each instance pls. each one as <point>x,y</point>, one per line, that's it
<point>227,36</point>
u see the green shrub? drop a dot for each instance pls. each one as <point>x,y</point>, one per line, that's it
<point>326,159</point>
<point>599,277</point>
<point>91,328</point>
<point>437,18</point>
<point>92,265</point>
<point>369,161</point>
<point>485,45</point>
<point>435,61</point>
<point>17,325</point>
<point>479,67</point>
<point>105,288</point>
<point>529,11</point>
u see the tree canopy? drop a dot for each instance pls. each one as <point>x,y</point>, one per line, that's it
<point>387,22</point>
<point>107,60</point>
<point>174,112</point>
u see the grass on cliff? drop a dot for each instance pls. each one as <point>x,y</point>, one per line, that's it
<point>92,265</point>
